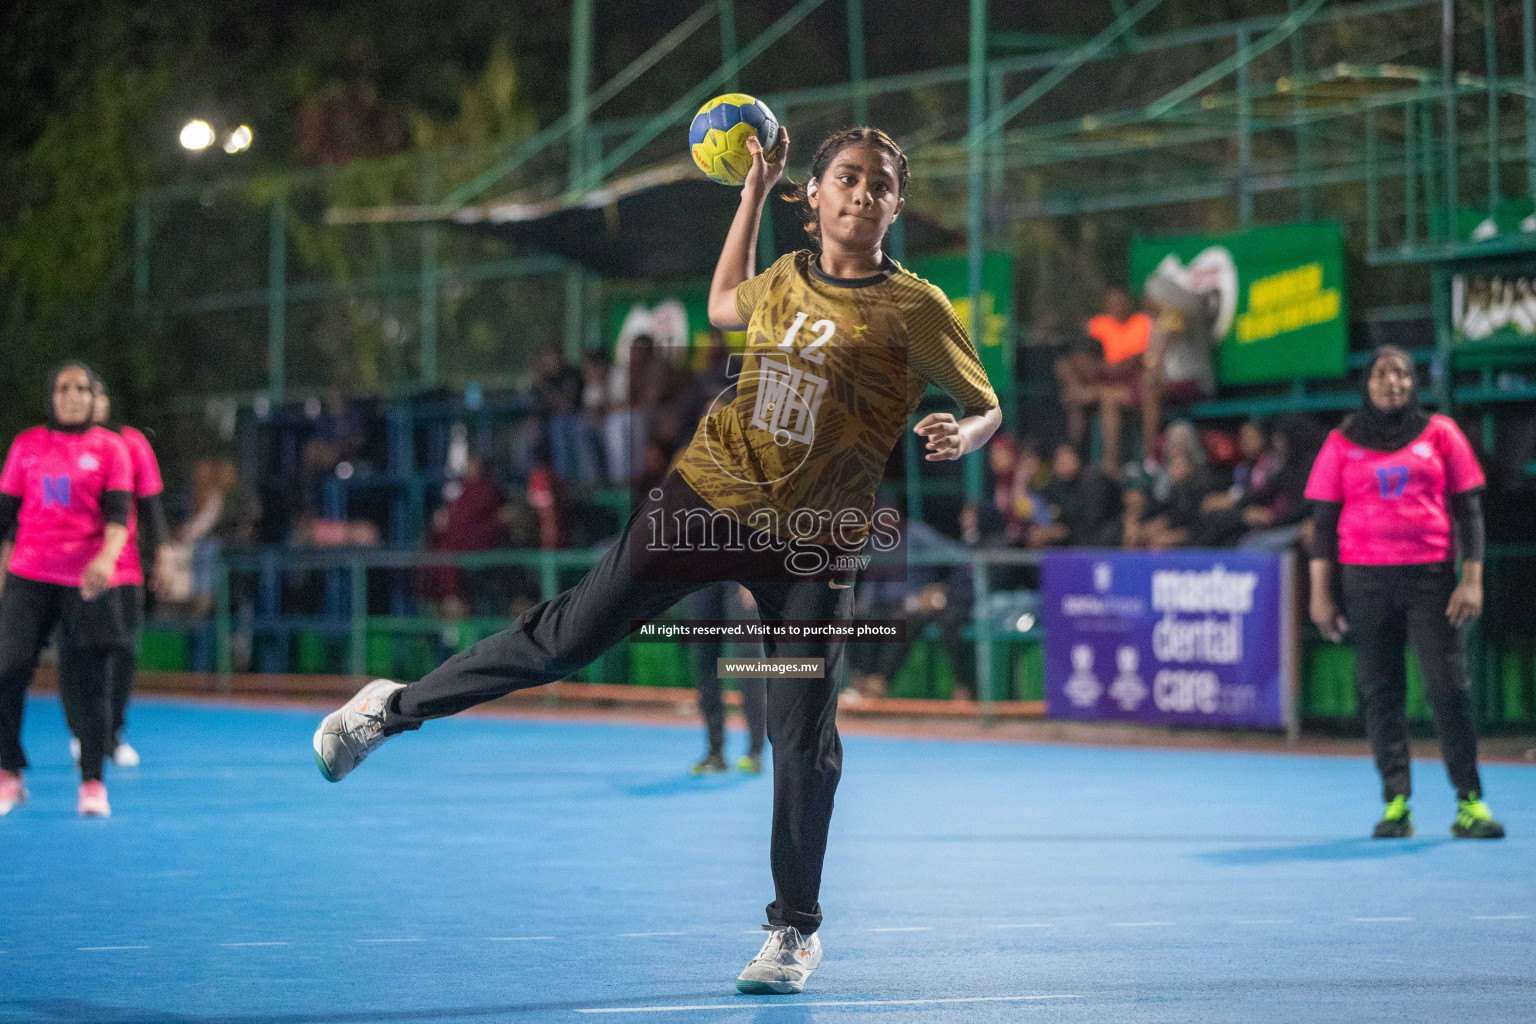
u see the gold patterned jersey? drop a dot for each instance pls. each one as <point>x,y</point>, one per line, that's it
<point>832,370</point>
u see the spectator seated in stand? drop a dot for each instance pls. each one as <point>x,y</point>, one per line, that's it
<point>1166,513</point>
<point>1083,502</point>
<point>472,517</point>
<point>1105,370</point>
<point>1266,506</point>
<point>1016,502</point>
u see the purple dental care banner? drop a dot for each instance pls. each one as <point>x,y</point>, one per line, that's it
<point>1186,638</point>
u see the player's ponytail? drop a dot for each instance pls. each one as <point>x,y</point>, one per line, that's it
<point>800,193</point>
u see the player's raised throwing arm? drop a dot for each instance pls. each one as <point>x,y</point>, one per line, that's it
<point>737,257</point>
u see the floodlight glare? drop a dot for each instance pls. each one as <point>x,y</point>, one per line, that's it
<point>197,135</point>
<point>239,140</point>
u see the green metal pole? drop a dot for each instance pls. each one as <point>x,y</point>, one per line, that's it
<point>1491,52</point>
<point>1440,305</point>
<point>1372,210</point>
<point>428,289</point>
<point>996,224</point>
<point>975,208</point>
<point>1529,31</point>
<point>277,299</point>
<point>1448,83</point>
<point>1410,174</point>
<point>357,643</point>
<point>223,650</point>
<point>1434,210</point>
<point>580,83</point>
<point>1303,130</point>
<point>1244,133</point>
<point>856,61</point>
<point>728,41</point>
<point>575,312</point>
<point>981,623</point>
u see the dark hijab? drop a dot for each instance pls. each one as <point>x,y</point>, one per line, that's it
<point>53,380</point>
<point>1377,429</point>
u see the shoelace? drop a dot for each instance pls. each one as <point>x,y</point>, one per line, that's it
<point>774,947</point>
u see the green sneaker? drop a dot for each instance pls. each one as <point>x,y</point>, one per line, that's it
<point>1475,821</point>
<point>1396,821</point>
<point>750,764</point>
<point>713,764</point>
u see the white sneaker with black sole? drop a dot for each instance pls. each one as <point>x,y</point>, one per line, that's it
<point>782,965</point>
<point>350,733</point>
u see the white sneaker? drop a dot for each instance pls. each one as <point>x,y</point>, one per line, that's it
<point>125,756</point>
<point>782,965</point>
<point>349,734</point>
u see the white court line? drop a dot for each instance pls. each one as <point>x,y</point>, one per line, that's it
<point>1367,920</point>
<point>101,949</point>
<point>234,944</point>
<point>521,938</point>
<point>756,1005</point>
<point>645,935</point>
<point>918,928</point>
<point>1139,924</point>
<point>1031,925</point>
<point>388,940</point>
<point>1501,917</point>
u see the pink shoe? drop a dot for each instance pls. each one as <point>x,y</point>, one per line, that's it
<point>12,792</point>
<point>93,800</point>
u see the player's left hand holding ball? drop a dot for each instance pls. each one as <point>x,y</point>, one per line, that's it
<point>943,434</point>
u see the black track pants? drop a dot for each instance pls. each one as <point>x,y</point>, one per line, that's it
<point>1390,607</point>
<point>88,630</point>
<point>635,583</point>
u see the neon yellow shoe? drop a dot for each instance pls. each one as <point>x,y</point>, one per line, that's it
<point>1475,821</point>
<point>1396,821</point>
<point>750,764</point>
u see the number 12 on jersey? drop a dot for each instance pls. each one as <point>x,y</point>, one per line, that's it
<point>811,353</point>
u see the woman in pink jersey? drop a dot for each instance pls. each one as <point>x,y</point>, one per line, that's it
<point>1391,487</point>
<point>139,564</point>
<point>65,490</point>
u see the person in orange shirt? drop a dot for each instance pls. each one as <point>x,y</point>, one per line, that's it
<point>1107,374</point>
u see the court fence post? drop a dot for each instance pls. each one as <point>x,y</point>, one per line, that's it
<point>982,627</point>
<point>223,654</point>
<point>357,641</point>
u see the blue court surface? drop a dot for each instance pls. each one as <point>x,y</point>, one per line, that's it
<point>489,870</point>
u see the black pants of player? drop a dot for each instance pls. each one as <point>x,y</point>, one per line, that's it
<point>1388,608</point>
<point>122,659</point>
<point>716,602</point>
<point>88,630</point>
<point>634,583</point>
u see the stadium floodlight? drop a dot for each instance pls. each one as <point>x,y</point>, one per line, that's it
<point>239,140</point>
<point>197,135</point>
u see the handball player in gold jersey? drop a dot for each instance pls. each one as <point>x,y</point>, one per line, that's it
<point>775,491</point>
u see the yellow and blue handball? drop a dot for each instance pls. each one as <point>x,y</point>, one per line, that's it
<point>719,133</point>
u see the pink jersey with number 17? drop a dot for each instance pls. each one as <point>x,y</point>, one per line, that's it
<point>1396,504</point>
<point>60,478</point>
